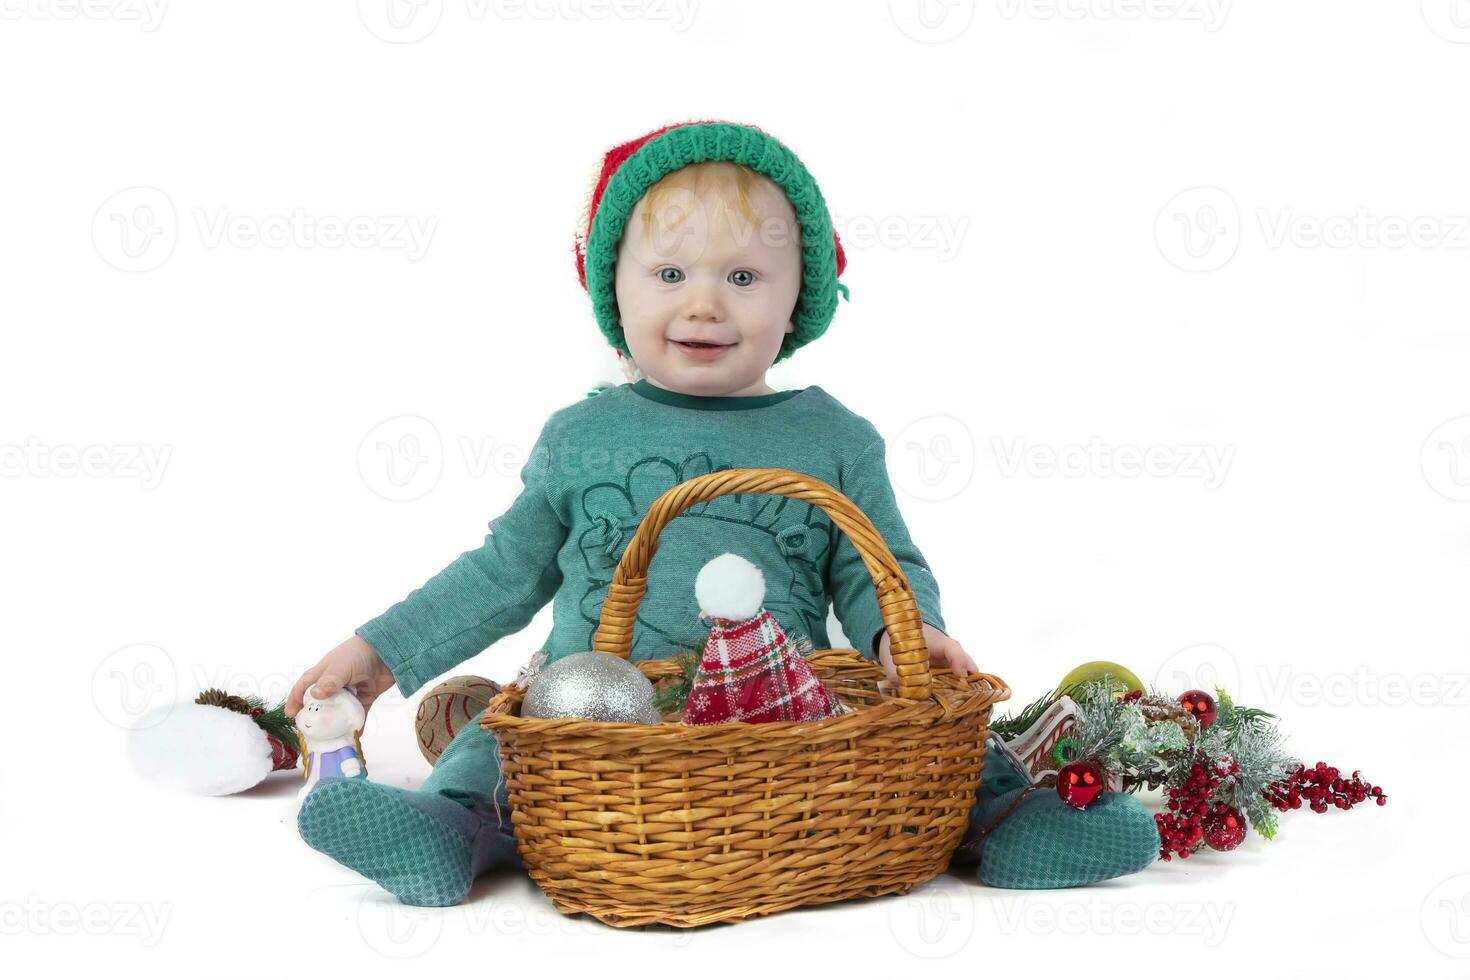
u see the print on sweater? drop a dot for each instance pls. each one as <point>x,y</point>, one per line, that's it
<point>775,532</point>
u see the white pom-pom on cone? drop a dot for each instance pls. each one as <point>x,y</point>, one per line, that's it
<point>730,587</point>
<point>200,748</point>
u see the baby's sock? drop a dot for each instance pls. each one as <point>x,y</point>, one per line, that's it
<point>423,847</point>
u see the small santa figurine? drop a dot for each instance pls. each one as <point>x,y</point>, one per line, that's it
<point>750,671</point>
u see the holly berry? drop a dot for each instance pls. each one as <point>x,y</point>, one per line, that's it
<point>1201,705</point>
<point>1224,828</point>
<point>1322,786</point>
<point>1181,826</point>
<point>1080,783</point>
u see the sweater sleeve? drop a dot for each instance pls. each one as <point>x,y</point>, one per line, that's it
<point>486,593</point>
<point>866,484</point>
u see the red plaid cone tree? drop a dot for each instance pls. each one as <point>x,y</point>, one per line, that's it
<point>750,671</point>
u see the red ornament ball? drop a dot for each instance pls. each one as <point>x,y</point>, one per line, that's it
<point>1080,783</point>
<point>1224,828</point>
<point>1200,704</point>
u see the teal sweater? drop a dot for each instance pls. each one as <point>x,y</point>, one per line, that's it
<point>591,476</point>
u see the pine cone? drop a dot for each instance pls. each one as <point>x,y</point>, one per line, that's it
<point>214,696</point>
<point>1156,708</point>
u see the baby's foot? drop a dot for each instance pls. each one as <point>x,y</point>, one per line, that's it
<point>422,847</point>
<point>1044,843</point>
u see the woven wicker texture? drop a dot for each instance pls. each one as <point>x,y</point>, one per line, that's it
<point>638,824</point>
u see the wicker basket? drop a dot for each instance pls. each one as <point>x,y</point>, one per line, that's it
<point>683,825</point>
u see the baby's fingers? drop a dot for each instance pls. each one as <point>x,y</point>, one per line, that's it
<point>295,700</point>
<point>960,661</point>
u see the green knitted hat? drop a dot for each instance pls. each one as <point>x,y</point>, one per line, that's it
<point>630,169</point>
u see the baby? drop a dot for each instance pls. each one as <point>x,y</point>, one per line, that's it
<point>709,255</point>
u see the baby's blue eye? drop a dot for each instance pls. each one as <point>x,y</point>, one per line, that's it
<point>742,277</point>
<point>670,274</point>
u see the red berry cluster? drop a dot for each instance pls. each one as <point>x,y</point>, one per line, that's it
<point>1182,828</point>
<point>1321,786</point>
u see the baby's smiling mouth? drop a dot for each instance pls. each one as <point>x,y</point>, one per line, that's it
<point>700,344</point>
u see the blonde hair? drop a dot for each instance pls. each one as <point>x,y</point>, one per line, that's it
<point>731,184</point>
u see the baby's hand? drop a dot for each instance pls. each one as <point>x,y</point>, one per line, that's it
<point>353,663</point>
<point>943,650</point>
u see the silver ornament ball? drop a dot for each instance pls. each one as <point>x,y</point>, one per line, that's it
<point>595,686</point>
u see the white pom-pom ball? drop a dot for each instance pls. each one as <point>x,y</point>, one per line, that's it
<point>200,748</point>
<point>730,587</point>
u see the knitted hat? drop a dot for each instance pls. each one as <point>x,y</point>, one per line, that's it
<point>630,169</point>
<point>749,672</point>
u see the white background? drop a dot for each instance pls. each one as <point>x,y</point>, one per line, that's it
<point>1080,234</point>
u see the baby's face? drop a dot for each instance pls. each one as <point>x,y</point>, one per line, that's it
<point>711,277</point>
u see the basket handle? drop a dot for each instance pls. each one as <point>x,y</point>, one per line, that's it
<point>896,601</point>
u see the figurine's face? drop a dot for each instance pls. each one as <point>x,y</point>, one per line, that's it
<point>705,273</point>
<point>333,717</point>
